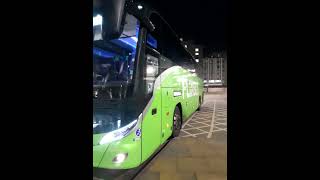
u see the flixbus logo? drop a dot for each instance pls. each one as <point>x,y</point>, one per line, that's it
<point>138,132</point>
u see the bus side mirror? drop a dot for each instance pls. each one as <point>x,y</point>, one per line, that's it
<point>141,12</point>
<point>108,16</point>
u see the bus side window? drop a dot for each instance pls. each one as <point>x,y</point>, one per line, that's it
<point>152,72</point>
<point>152,42</point>
<point>168,44</point>
<point>163,41</point>
<point>154,38</point>
<point>168,39</point>
<point>165,63</point>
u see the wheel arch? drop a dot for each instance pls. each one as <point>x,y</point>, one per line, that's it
<point>180,108</point>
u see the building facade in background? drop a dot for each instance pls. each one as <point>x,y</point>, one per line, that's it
<point>213,65</point>
<point>214,69</point>
<point>196,50</point>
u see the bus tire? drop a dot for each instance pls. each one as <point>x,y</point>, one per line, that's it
<point>177,122</point>
<point>199,107</point>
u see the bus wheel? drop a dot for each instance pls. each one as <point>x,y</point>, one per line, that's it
<point>199,107</point>
<point>176,122</point>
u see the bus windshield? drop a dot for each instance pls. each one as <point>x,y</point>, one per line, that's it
<point>113,61</point>
<point>113,69</point>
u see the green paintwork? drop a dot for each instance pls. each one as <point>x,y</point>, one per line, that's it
<point>155,129</point>
<point>98,150</point>
<point>151,127</point>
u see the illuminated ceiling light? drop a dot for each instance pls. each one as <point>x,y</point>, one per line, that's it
<point>135,39</point>
<point>140,7</point>
<point>197,60</point>
<point>196,54</point>
<point>196,49</point>
<point>185,46</point>
<point>97,20</point>
<point>150,70</point>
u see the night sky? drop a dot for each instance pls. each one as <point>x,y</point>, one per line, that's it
<point>203,21</point>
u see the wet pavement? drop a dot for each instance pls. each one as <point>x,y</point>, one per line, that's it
<point>200,151</point>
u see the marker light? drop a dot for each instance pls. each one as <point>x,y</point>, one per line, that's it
<point>192,70</point>
<point>120,158</point>
<point>118,134</point>
<point>176,93</point>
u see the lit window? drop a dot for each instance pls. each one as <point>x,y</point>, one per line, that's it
<point>97,20</point>
<point>196,49</point>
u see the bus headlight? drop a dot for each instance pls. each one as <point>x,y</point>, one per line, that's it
<point>119,158</point>
<point>119,133</point>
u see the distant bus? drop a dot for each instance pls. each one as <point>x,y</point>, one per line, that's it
<point>145,84</point>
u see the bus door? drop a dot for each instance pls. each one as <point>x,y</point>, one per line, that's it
<point>151,125</point>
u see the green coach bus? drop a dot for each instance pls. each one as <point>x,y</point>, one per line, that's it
<point>145,83</point>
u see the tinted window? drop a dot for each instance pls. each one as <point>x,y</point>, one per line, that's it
<point>165,63</point>
<point>154,39</point>
<point>169,46</point>
<point>115,61</point>
<point>113,67</point>
<point>152,71</point>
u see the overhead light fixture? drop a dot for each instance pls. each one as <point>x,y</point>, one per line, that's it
<point>196,49</point>
<point>150,70</point>
<point>140,7</point>
<point>97,20</point>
